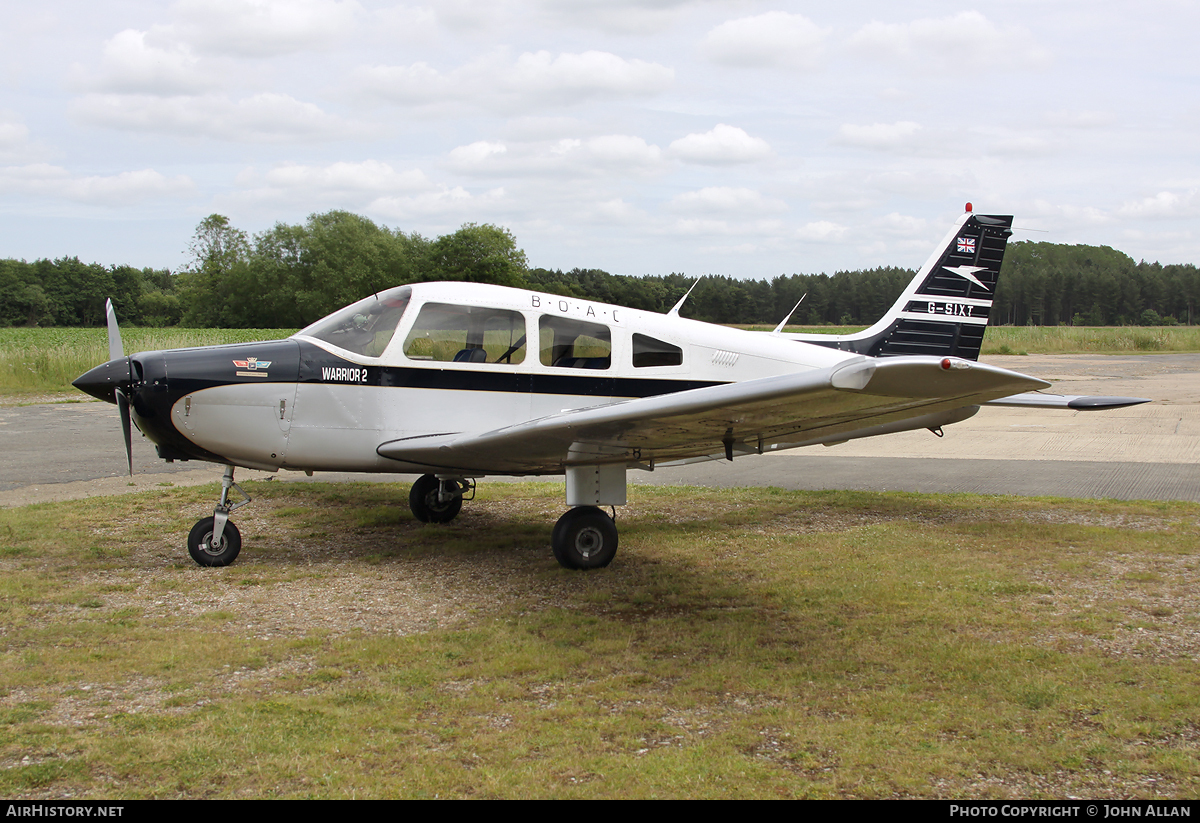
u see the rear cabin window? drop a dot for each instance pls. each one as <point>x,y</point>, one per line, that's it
<point>466,334</point>
<point>574,344</point>
<point>365,327</point>
<point>650,352</point>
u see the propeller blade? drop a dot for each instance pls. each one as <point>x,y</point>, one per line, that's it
<point>115,348</point>
<point>123,405</point>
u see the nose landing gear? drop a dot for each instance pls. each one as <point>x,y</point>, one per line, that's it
<point>216,541</point>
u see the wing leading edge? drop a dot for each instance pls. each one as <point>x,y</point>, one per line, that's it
<point>863,396</point>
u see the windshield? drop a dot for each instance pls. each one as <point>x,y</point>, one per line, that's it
<point>365,327</point>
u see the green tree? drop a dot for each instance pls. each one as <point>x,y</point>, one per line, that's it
<point>477,254</point>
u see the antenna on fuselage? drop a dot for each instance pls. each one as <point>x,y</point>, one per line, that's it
<point>783,322</point>
<point>675,311</point>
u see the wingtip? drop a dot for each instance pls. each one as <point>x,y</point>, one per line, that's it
<point>1093,403</point>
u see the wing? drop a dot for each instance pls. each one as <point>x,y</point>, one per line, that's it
<point>858,397</point>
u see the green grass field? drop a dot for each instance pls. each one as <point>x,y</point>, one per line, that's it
<point>38,361</point>
<point>744,644</point>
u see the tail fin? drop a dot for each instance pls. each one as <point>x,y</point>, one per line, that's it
<point>944,309</point>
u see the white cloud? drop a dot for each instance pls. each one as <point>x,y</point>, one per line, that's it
<point>265,28</point>
<point>775,39</point>
<point>14,139</point>
<point>370,177</point>
<point>822,231</point>
<point>621,151</point>
<point>130,64</point>
<point>1165,204</point>
<point>534,80</point>
<point>124,189</point>
<point>268,117</point>
<point>612,154</point>
<point>967,42</point>
<point>880,136</point>
<point>723,145</point>
<point>1022,146</point>
<point>407,23</point>
<point>444,202</point>
<point>638,17</point>
<point>620,212</point>
<point>903,225</point>
<point>725,199</point>
<point>1080,119</point>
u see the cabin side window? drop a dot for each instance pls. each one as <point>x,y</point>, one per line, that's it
<point>574,344</point>
<point>450,333</point>
<point>648,351</point>
<point>366,327</point>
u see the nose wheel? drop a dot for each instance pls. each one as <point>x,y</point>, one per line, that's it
<point>207,550</point>
<point>215,541</point>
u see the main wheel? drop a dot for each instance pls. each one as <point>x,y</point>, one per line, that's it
<point>584,538</point>
<point>423,500</point>
<point>205,552</point>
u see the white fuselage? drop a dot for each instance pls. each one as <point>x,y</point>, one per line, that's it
<point>336,417</point>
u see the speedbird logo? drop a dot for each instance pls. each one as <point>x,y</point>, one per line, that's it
<point>254,367</point>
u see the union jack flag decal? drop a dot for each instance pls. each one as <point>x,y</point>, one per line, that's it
<point>966,245</point>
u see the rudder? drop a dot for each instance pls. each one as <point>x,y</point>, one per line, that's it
<point>944,310</point>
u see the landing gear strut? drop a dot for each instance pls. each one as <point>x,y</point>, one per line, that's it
<point>438,499</point>
<point>216,541</point>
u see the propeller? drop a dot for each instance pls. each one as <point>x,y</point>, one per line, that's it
<point>113,380</point>
<point>116,351</point>
<point>126,428</point>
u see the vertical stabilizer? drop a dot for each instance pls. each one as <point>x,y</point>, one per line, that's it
<point>944,310</point>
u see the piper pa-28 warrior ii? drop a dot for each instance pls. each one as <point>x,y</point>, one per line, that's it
<point>456,381</point>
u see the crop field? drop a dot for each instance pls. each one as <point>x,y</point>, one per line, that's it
<point>38,361</point>
<point>744,644</point>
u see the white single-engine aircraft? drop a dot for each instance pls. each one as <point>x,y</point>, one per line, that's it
<point>456,381</point>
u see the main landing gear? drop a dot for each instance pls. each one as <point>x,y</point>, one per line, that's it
<point>438,499</point>
<point>583,538</point>
<point>215,541</point>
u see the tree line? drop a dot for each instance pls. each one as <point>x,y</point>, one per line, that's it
<point>290,275</point>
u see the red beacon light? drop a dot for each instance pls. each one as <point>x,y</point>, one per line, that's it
<point>968,208</point>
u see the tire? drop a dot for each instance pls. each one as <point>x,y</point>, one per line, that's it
<point>200,543</point>
<point>584,538</point>
<point>422,500</point>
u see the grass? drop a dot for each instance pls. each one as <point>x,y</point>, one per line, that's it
<point>744,643</point>
<point>1089,340</point>
<point>47,360</point>
<point>1059,339</point>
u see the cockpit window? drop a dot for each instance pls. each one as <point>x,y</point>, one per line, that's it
<point>365,327</point>
<point>574,344</point>
<point>466,334</point>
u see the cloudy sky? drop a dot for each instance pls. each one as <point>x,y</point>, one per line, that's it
<point>638,136</point>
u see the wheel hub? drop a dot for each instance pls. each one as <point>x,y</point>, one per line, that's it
<point>587,541</point>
